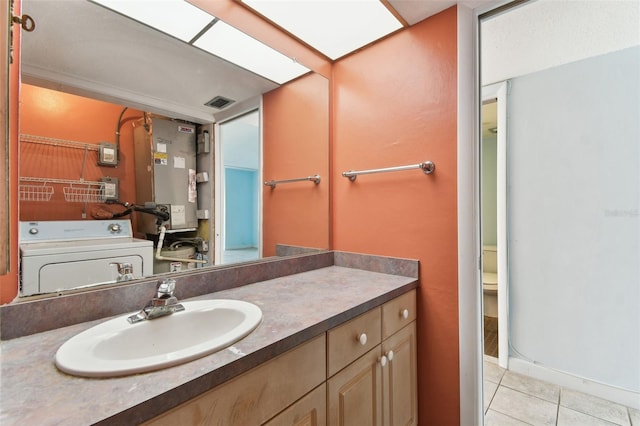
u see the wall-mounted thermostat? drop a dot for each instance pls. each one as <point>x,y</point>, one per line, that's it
<point>107,154</point>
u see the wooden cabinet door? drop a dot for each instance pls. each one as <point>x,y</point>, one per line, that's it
<point>400,378</point>
<point>310,410</point>
<point>354,395</point>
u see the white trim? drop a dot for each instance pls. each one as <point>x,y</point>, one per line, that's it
<point>610,393</point>
<point>469,281</point>
<point>217,196</point>
<point>260,176</point>
<point>498,91</point>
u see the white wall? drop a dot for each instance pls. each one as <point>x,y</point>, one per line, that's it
<point>241,137</point>
<point>489,191</point>
<point>573,199</point>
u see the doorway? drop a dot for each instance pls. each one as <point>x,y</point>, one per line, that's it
<point>238,207</point>
<point>488,150</point>
<point>495,276</point>
<point>571,227</point>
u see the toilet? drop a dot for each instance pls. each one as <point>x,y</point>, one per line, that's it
<point>490,280</point>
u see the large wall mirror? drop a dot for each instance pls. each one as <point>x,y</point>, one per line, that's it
<point>122,162</point>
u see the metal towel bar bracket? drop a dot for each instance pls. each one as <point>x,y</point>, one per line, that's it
<point>427,167</point>
<point>272,183</point>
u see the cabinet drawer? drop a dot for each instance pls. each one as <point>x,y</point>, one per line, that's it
<point>398,312</point>
<point>348,341</point>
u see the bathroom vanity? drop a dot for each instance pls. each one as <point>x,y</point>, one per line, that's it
<point>363,371</point>
<point>332,336</point>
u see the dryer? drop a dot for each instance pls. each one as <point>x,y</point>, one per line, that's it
<point>62,255</point>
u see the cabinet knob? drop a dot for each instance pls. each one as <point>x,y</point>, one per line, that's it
<point>362,339</point>
<point>404,313</point>
<point>390,356</point>
<point>383,361</point>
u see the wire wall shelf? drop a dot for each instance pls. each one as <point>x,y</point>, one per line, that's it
<point>83,194</point>
<point>64,143</point>
<point>36,192</point>
<point>75,191</point>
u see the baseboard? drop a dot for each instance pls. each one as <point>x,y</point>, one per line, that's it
<point>580,384</point>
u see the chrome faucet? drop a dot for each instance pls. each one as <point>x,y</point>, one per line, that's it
<point>165,303</point>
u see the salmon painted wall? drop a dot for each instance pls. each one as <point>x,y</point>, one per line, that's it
<point>395,104</point>
<point>296,144</point>
<point>53,114</point>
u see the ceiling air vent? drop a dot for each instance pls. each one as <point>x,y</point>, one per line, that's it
<point>219,102</point>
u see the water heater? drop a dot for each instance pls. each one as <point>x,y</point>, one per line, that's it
<point>165,165</point>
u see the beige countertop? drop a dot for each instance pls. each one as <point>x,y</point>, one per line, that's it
<point>295,308</point>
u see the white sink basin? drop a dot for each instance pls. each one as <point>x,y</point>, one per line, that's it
<point>118,348</point>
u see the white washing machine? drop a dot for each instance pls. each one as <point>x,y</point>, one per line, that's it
<point>61,255</point>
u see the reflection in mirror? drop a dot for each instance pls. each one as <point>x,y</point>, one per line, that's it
<point>121,170</point>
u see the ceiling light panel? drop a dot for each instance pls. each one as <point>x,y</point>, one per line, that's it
<point>235,46</point>
<point>174,17</point>
<point>334,27</point>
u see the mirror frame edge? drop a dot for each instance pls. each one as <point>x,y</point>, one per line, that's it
<point>9,141</point>
<point>4,139</point>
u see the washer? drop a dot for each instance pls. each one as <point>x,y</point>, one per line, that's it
<point>62,255</point>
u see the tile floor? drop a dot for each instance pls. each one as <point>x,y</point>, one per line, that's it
<point>511,399</point>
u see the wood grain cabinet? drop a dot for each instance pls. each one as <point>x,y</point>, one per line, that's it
<point>256,396</point>
<point>378,388</point>
<point>308,411</point>
<point>362,372</point>
<point>400,385</point>
<point>400,378</point>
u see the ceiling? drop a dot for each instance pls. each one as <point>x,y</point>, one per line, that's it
<point>85,49</point>
<point>112,58</point>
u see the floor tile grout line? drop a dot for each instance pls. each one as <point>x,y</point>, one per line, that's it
<point>597,417</point>
<point>525,394</point>
<point>511,417</point>
<point>494,393</point>
<point>556,401</point>
<point>532,396</point>
<point>593,417</point>
<point>558,405</point>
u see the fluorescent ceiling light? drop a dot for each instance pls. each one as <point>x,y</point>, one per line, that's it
<point>334,27</point>
<point>174,17</point>
<point>235,46</point>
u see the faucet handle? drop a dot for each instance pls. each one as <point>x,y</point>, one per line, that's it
<point>166,288</point>
<point>125,270</point>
